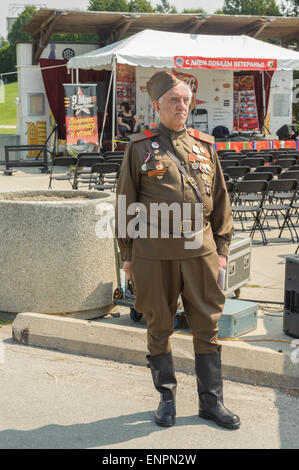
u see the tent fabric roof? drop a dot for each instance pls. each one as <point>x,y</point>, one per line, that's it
<point>151,48</point>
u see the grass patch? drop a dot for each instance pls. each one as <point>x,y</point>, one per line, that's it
<point>7,131</point>
<point>5,321</point>
<point>8,110</point>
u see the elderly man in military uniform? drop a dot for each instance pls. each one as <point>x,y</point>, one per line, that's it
<point>170,164</point>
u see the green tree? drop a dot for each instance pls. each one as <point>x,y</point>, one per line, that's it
<point>7,63</point>
<point>16,34</point>
<point>108,5</point>
<point>165,7</point>
<point>141,6</point>
<point>197,10</point>
<point>251,7</point>
<point>290,7</point>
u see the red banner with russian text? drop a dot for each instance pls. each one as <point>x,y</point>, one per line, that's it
<point>224,63</point>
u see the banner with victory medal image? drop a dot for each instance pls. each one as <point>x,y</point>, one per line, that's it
<point>81,118</point>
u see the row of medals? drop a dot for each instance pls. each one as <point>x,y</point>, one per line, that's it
<point>159,165</point>
<point>199,161</point>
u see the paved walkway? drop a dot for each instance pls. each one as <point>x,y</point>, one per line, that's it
<point>55,400</point>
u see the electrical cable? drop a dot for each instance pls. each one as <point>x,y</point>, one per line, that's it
<point>243,339</point>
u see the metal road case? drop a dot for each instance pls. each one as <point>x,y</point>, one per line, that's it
<point>238,265</point>
<point>238,317</point>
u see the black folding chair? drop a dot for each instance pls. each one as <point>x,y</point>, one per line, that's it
<point>285,162</point>
<point>292,154</point>
<point>222,152</point>
<point>225,151</point>
<point>267,176</point>
<point>234,155</point>
<point>117,153</point>
<point>230,186</point>
<point>237,172</point>
<point>276,188</point>
<point>228,163</point>
<point>266,156</point>
<point>98,174</point>
<point>290,175</point>
<point>294,167</point>
<point>84,164</point>
<point>116,159</point>
<point>253,162</point>
<point>274,169</point>
<point>242,207</point>
<point>249,151</point>
<point>68,174</point>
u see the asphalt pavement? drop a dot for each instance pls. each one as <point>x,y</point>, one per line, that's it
<point>55,400</point>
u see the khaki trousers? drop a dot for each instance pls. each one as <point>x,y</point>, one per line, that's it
<point>157,285</point>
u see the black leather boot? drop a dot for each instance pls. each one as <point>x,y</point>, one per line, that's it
<point>165,382</point>
<point>209,386</point>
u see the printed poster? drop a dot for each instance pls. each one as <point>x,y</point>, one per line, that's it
<point>81,118</point>
<point>245,109</point>
<point>125,86</point>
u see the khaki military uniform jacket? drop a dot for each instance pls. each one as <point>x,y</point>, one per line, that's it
<point>147,185</point>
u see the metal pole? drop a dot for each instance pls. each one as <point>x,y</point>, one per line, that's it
<point>77,76</point>
<point>264,100</point>
<point>113,103</point>
<point>106,106</point>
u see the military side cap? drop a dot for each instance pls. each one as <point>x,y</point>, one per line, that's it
<point>160,83</point>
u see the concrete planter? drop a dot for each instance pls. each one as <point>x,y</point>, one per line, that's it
<point>52,260</point>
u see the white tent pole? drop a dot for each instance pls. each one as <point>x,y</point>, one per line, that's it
<point>113,103</point>
<point>77,76</point>
<point>106,106</point>
<point>72,75</point>
<point>264,100</point>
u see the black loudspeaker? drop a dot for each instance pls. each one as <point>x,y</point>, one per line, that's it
<point>291,297</point>
<point>285,132</point>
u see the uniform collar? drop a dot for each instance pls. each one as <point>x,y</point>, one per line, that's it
<point>171,133</point>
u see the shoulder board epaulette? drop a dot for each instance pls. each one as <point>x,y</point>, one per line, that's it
<point>199,135</point>
<point>143,135</point>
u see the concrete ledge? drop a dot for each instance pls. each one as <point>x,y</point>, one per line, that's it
<point>241,362</point>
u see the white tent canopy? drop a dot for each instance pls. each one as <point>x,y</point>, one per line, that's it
<point>163,49</point>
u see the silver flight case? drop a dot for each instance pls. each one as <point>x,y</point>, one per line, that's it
<point>238,265</point>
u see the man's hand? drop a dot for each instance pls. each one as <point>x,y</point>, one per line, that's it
<point>126,268</point>
<point>222,261</point>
